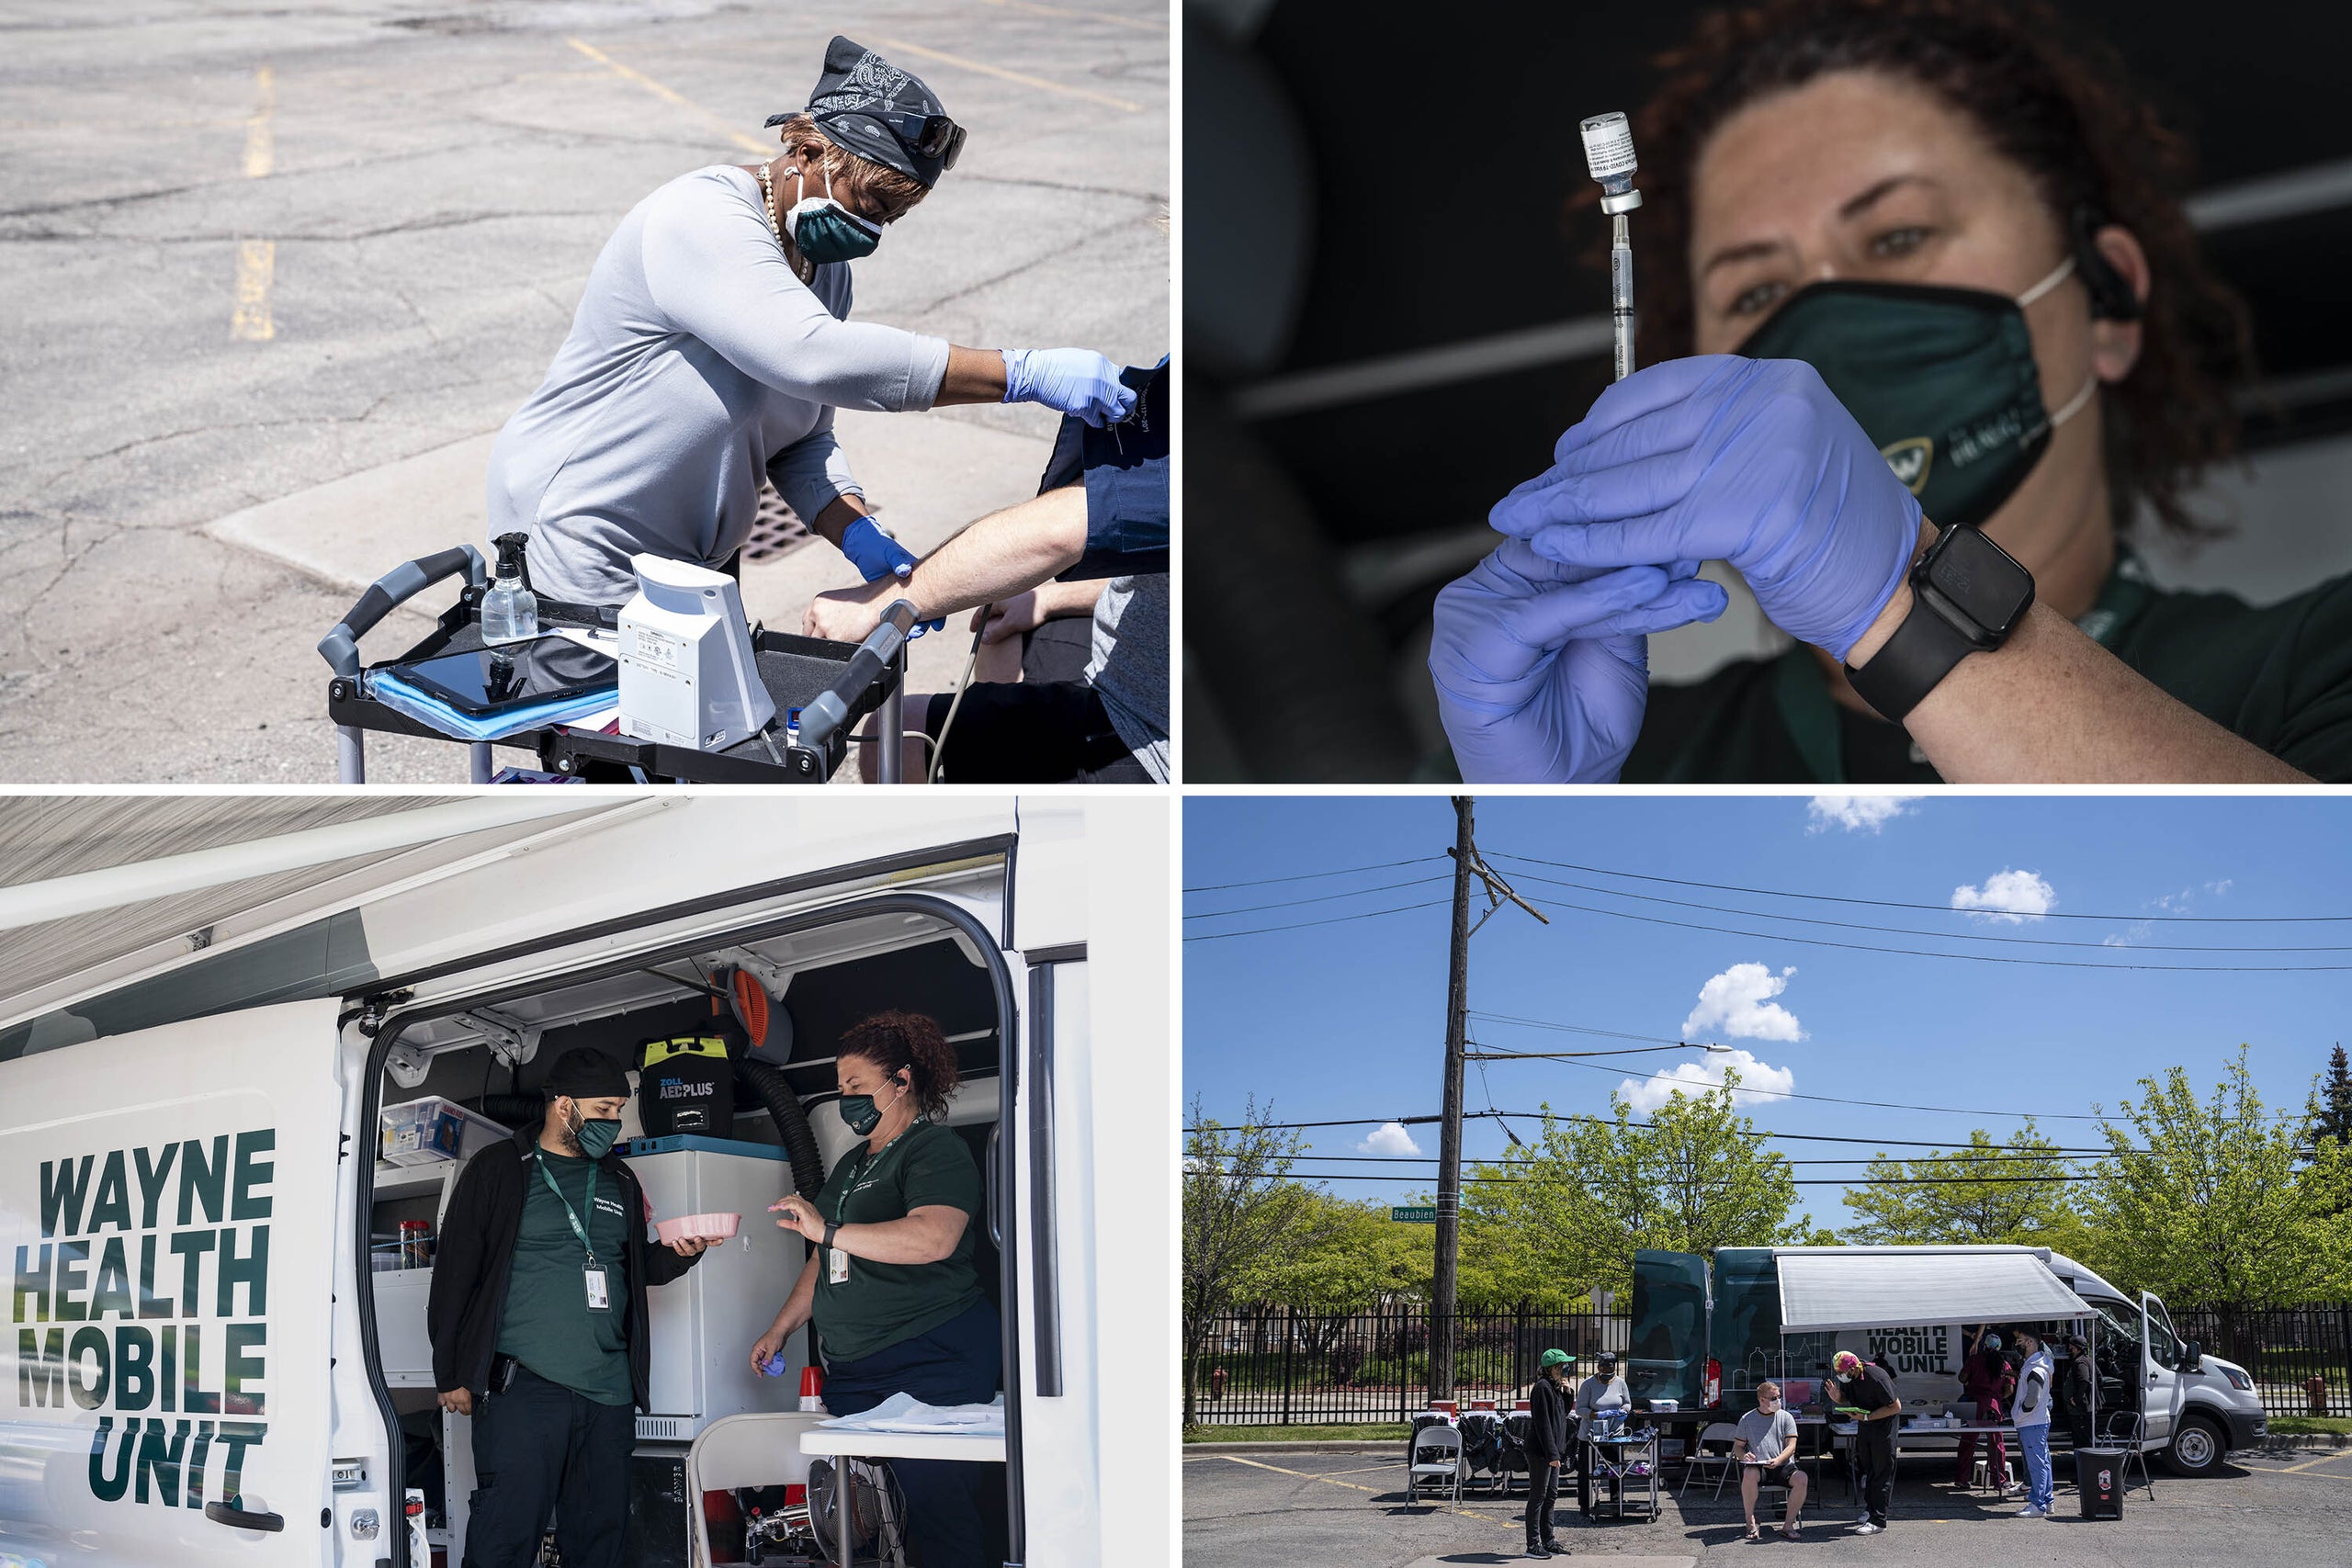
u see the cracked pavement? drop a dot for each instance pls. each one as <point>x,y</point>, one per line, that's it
<point>437,184</point>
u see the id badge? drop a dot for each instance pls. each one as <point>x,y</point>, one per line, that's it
<point>836,1265</point>
<point>599,1298</point>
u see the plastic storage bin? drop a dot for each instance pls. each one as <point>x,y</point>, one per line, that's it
<point>422,1132</point>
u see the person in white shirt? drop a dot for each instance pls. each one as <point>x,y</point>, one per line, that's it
<point>1766,1450</point>
<point>2037,1388</point>
<point>1603,1394</point>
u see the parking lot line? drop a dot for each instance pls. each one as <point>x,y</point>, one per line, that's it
<point>251,320</point>
<point>1352,1486</point>
<point>899,46</point>
<point>1137,23</point>
<point>670,94</point>
<point>2315,1463</point>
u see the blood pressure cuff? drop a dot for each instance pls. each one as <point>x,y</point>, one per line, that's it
<point>1124,470</point>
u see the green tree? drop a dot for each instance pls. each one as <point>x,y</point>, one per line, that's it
<point>2332,1113</point>
<point>1983,1193</point>
<point>1357,1260</point>
<point>2208,1199</point>
<point>1243,1216</point>
<point>1691,1179</point>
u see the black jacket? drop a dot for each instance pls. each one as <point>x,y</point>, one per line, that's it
<point>1548,1421</point>
<point>477,1249</point>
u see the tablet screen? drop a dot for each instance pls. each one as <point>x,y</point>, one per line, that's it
<point>492,680</point>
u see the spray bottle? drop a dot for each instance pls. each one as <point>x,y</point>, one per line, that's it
<point>510,611</point>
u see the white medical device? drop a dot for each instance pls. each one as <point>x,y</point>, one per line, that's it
<point>687,675</point>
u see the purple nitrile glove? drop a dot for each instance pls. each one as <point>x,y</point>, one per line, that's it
<point>1543,670</point>
<point>774,1366</point>
<point>1067,380</point>
<point>876,555</point>
<point>1750,462</point>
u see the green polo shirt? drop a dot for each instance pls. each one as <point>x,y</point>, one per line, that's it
<point>548,1324</point>
<point>2281,676</point>
<point>882,1304</point>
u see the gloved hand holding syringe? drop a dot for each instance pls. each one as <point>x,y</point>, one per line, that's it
<point>1540,656</point>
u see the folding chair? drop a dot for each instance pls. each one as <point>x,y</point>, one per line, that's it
<point>2129,1428</point>
<point>1436,1463</point>
<point>1722,1432</point>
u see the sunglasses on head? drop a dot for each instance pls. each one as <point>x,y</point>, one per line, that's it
<point>928,135</point>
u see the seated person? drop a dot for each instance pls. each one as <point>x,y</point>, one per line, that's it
<point>1766,1450</point>
<point>1102,508</point>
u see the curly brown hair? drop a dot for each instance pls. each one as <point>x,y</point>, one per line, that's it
<point>895,1039</point>
<point>2062,111</point>
<point>879,188</point>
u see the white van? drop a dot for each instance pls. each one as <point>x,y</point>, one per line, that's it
<point>215,1350</point>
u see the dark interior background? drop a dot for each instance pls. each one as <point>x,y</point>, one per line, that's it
<point>1411,241</point>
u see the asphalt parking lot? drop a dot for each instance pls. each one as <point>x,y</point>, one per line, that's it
<point>276,275</point>
<point>2288,1509</point>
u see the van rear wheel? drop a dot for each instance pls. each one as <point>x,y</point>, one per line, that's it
<point>2197,1446</point>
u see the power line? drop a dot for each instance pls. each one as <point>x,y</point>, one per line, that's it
<point>1611,1122</point>
<point>1962,958</point>
<point>1959,1155</point>
<point>1336,920</point>
<point>1310,876</point>
<point>1318,899</point>
<point>1898,904</point>
<point>1797,1182</point>
<point>1913,931</point>
<point>1834,1099</point>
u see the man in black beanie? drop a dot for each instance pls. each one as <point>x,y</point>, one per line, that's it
<point>538,1323</point>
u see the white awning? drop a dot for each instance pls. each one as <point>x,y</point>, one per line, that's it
<point>1834,1288</point>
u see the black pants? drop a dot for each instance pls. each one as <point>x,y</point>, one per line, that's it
<point>1874,1452</point>
<point>955,1512</point>
<point>1543,1495</point>
<point>2078,1425</point>
<point>1032,732</point>
<point>539,1447</point>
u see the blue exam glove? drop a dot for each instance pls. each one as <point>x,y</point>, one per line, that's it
<point>1067,380</point>
<point>1746,461</point>
<point>876,555</point>
<point>1543,670</point>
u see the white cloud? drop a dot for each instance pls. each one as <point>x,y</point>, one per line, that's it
<point>2014,897</point>
<point>1760,1082</point>
<point>2218,888</point>
<point>1855,813</point>
<point>1738,1002</point>
<point>1389,1138</point>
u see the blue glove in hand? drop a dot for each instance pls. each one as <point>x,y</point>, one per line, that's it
<point>1067,380</point>
<point>1543,670</point>
<point>1746,461</point>
<point>876,555</point>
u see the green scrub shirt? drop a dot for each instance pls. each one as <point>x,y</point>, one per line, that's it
<point>881,1304</point>
<point>548,1324</point>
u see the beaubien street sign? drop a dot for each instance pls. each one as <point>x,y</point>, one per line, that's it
<point>1415,1216</point>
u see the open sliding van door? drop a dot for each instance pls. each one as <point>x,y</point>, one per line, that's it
<point>168,1207</point>
<point>1666,1357</point>
<point>2160,1351</point>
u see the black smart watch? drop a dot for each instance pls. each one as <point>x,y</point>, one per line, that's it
<point>832,1229</point>
<point>1967,595</point>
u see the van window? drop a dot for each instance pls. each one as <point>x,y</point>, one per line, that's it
<point>2165,1347</point>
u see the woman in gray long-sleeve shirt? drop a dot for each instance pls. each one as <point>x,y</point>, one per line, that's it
<point>713,343</point>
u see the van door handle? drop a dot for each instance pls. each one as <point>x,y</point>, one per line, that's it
<point>238,1518</point>
<point>996,1226</point>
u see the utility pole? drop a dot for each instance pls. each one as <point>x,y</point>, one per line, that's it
<point>1449,1139</point>
<point>1466,865</point>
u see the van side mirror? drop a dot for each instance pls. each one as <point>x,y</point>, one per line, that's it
<point>2192,1357</point>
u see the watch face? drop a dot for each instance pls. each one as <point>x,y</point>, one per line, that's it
<point>1980,580</point>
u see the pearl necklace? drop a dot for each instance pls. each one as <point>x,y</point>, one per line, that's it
<point>802,268</point>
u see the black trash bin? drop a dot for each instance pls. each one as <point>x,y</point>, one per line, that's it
<point>2098,1475</point>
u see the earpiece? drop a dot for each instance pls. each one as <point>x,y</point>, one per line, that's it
<point>2112,296</point>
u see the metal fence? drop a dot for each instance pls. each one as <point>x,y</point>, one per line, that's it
<point>1287,1365</point>
<point>1283,1366</point>
<point>2283,1348</point>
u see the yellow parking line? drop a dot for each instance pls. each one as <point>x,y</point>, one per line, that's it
<point>259,153</point>
<point>1141,26</point>
<point>256,260</point>
<point>670,95</point>
<point>1352,1486</point>
<point>899,46</point>
<point>2312,1464</point>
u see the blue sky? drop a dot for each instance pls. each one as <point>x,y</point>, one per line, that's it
<point>1347,1020</point>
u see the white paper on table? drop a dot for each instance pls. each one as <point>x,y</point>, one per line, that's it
<point>905,1413</point>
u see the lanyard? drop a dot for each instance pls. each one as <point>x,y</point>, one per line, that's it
<point>570,1213</point>
<point>864,1163</point>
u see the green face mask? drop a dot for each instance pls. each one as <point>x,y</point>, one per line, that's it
<point>1942,379</point>
<point>596,1138</point>
<point>860,1112</point>
<point>826,231</point>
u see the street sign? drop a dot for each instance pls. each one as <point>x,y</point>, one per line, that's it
<point>1415,1216</point>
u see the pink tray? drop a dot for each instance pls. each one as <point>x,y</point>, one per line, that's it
<point>717,1227</point>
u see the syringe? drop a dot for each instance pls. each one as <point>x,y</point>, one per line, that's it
<point>1608,153</point>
